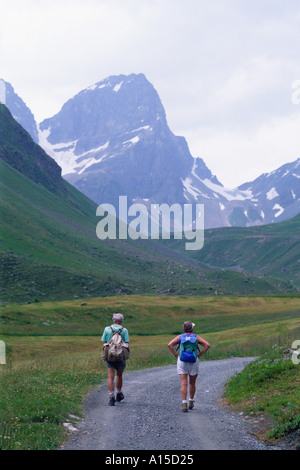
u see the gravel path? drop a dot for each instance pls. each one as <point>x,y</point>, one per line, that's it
<point>150,416</point>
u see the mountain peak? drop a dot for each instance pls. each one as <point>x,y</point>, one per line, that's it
<point>116,81</point>
<point>90,119</point>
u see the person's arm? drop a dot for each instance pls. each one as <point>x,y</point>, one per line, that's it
<point>172,345</point>
<point>205,345</point>
<point>126,335</point>
<point>104,336</point>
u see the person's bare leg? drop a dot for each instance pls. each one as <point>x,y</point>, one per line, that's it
<point>183,391</point>
<point>183,386</point>
<point>192,390</point>
<point>119,380</point>
<point>111,380</point>
<point>192,387</point>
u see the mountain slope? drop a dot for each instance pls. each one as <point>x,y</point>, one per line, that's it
<point>49,248</point>
<point>272,249</point>
<point>267,250</point>
<point>20,151</point>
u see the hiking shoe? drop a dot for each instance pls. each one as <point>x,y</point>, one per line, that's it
<point>112,401</point>
<point>191,404</point>
<point>120,396</point>
<point>184,407</point>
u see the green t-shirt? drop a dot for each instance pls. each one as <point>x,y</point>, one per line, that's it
<point>108,334</point>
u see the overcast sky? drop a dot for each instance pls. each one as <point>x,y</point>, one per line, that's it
<point>227,71</point>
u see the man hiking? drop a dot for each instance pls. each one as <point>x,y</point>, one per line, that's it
<point>188,361</point>
<point>115,367</point>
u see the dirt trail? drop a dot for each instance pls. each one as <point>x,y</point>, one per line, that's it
<point>150,416</point>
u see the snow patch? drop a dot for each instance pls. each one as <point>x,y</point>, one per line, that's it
<point>83,165</point>
<point>140,129</point>
<point>118,86</point>
<point>66,158</point>
<point>88,162</point>
<point>187,185</point>
<point>92,87</point>
<point>296,176</point>
<point>279,208</point>
<point>64,154</point>
<point>194,169</point>
<point>272,194</point>
<point>98,149</point>
<point>228,194</point>
<point>132,141</point>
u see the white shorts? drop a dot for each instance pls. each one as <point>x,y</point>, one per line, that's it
<point>190,368</point>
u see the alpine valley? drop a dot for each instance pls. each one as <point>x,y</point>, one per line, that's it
<point>60,283</point>
<point>50,251</point>
<point>112,139</point>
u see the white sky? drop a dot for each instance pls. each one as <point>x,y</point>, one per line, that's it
<point>224,69</point>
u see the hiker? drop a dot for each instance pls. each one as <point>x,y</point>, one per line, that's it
<point>188,361</point>
<point>115,367</point>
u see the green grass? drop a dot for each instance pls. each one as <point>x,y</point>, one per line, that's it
<point>85,316</point>
<point>270,385</point>
<point>51,368</point>
<point>45,391</point>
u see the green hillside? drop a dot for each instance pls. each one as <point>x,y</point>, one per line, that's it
<point>49,249</point>
<point>268,250</point>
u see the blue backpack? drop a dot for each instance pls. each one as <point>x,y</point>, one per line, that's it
<point>188,346</point>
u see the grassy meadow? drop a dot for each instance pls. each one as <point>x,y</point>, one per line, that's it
<point>53,355</point>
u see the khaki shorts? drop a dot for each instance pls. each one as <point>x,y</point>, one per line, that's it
<point>189,368</point>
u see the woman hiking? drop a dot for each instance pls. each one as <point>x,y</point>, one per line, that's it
<point>188,361</point>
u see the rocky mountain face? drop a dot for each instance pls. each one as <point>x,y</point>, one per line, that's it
<point>19,110</point>
<point>277,193</point>
<point>112,139</point>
